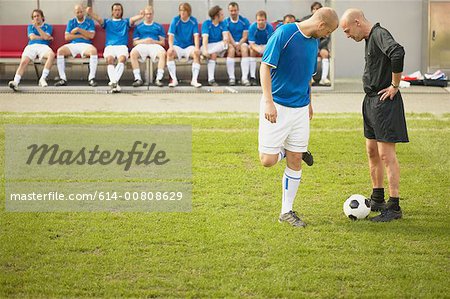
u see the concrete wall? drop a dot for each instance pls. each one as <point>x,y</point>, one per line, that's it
<point>403,18</point>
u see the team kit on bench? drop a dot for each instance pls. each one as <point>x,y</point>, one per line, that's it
<point>234,36</point>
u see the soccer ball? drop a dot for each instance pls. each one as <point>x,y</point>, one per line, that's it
<point>357,207</point>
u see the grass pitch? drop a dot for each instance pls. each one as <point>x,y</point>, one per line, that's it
<point>231,245</point>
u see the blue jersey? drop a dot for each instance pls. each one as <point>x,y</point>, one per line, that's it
<point>87,25</point>
<point>237,28</point>
<point>116,31</point>
<point>293,58</point>
<point>46,28</point>
<point>153,31</point>
<point>257,36</point>
<point>214,32</point>
<point>183,32</point>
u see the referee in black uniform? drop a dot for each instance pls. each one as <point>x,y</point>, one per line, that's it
<point>383,113</point>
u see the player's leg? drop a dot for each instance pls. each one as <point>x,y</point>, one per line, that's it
<point>134,57</point>
<point>50,56</point>
<point>195,54</point>
<point>61,54</point>
<point>253,54</point>
<point>324,55</point>
<point>171,56</point>
<point>161,54</point>
<point>231,53</point>
<point>91,52</point>
<point>212,69</point>
<point>14,84</point>
<point>245,64</point>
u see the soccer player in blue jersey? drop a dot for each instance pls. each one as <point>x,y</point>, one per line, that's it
<point>40,36</point>
<point>238,28</point>
<point>148,40</point>
<point>215,40</point>
<point>288,63</point>
<point>117,29</point>
<point>258,35</point>
<point>79,32</point>
<point>184,42</point>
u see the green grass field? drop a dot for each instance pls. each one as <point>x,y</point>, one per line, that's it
<point>231,244</point>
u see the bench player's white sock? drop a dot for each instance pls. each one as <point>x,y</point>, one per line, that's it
<point>159,74</point>
<point>195,71</point>
<point>111,73</point>
<point>211,69</point>
<point>253,67</point>
<point>45,73</point>
<point>119,70</point>
<point>230,67</point>
<point>17,78</point>
<point>172,69</point>
<point>291,181</point>
<point>137,74</point>
<point>325,68</point>
<point>93,61</point>
<point>245,67</point>
<point>60,63</point>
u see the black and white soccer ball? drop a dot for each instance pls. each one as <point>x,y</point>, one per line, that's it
<point>357,207</point>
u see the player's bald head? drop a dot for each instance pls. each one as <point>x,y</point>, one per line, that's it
<point>352,14</point>
<point>77,7</point>
<point>328,16</point>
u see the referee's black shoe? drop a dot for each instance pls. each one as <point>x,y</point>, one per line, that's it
<point>308,158</point>
<point>376,206</point>
<point>388,215</point>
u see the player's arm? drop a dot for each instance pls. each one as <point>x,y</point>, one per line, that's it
<point>161,41</point>
<point>205,39</point>
<point>197,41</point>
<point>244,37</point>
<point>225,36</point>
<point>94,16</point>
<point>137,18</point>
<point>170,40</point>
<point>85,34</point>
<point>42,34</point>
<point>270,111</point>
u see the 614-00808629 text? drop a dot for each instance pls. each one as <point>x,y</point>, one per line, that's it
<point>99,196</point>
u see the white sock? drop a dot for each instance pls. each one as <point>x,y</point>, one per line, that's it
<point>230,67</point>
<point>111,73</point>
<point>45,73</point>
<point>60,63</point>
<point>137,74</point>
<point>93,61</point>
<point>195,71</point>
<point>291,181</point>
<point>172,69</point>
<point>325,68</point>
<point>281,154</point>
<point>252,67</point>
<point>211,69</point>
<point>159,74</point>
<point>119,70</point>
<point>245,67</point>
<point>17,78</point>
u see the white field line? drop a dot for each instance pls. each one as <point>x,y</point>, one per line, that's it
<point>99,115</point>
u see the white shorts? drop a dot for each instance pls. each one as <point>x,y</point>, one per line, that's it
<point>147,50</point>
<point>78,48</point>
<point>36,50</point>
<point>184,53</point>
<point>115,51</point>
<point>291,130</point>
<point>218,48</point>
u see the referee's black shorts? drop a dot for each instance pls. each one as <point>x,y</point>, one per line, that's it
<point>384,120</point>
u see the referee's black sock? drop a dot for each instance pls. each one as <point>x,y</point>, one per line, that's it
<point>393,203</point>
<point>377,194</point>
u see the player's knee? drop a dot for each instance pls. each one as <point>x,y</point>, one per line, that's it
<point>110,60</point>
<point>230,52</point>
<point>134,54</point>
<point>268,160</point>
<point>162,55</point>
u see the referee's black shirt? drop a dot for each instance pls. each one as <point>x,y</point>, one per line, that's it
<point>383,56</point>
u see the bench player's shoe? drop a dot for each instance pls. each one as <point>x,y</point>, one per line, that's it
<point>61,82</point>
<point>308,158</point>
<point>93,83</point>
<point>291,218</point>
<point>43,82</point>
<point>13,85</point>
<point>388,215</point>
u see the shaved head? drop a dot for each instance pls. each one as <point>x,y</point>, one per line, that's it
<point>79,12</point>
<point>321,24</point>
<point>328,16</point>
<point>353,14</point>
<point>355,25</point>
